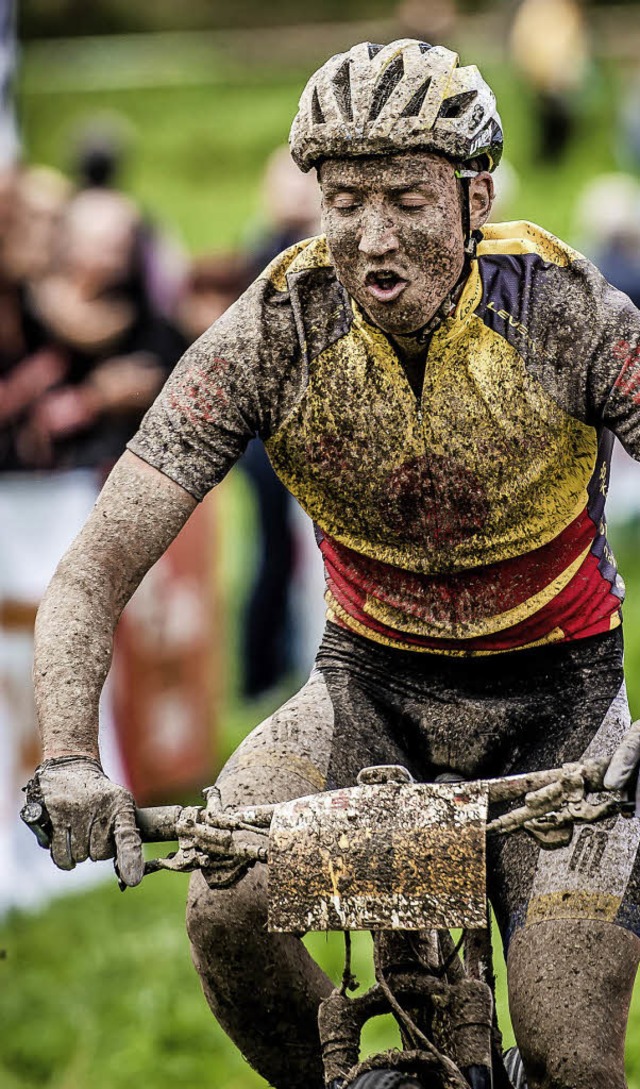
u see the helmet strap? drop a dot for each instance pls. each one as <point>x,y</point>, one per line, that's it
<point>465,182</point>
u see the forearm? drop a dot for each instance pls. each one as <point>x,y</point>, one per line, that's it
<point>138,514</point>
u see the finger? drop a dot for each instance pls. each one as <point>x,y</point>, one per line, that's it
<point>61,848</point>
<point>101,839</point>
<point>79,841</point>
<point>129,855</point>
<point>625,760</point>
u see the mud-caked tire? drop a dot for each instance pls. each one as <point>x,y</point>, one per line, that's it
<point>515,1069</point>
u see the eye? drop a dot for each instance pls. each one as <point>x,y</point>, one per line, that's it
<point>412,202</point>
<point>344,203</point>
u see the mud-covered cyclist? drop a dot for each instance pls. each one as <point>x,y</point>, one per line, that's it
<point>439,394</point>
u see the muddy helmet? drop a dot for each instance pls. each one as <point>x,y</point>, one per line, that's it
<point>407,95</point>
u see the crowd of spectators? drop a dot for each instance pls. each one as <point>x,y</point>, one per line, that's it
<point>97,304</point>
<point>84,349</point>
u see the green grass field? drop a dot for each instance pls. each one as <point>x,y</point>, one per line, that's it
<point>97,992</point>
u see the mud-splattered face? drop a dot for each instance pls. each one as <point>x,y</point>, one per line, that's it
<point>394,228</point>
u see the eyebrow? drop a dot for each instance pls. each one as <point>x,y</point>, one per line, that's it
<point>340,188</point>
<point>408,186</point>
<point>415,183</point>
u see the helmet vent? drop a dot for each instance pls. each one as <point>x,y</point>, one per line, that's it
<point>413,107</point>
<point>391,77</point>
<point>316,109</point>
<point>342,87</point>
<point>457,104</point>
<point>373,49</point>
<point>425,47</point>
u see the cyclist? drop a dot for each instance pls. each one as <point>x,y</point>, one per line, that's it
<point>437,393</point>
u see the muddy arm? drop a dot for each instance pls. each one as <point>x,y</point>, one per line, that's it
<point>138,514</point>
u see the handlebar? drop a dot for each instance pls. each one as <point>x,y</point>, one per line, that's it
<point>158,824</point>
<point>554,801</point>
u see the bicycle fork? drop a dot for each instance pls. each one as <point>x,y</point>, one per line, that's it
<point>446,1017</point>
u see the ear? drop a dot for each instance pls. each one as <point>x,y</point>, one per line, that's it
<point>481,194</point>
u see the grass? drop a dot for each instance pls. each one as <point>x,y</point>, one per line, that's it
<point>98,991</point>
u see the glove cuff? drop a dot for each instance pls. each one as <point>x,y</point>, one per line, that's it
<point>60,761</point>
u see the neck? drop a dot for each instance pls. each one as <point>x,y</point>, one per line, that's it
<point>411,346</point>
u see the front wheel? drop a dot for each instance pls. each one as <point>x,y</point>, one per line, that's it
<point>385,1079</point>
<point>515,1069</point>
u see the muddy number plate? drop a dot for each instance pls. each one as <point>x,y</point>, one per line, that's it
<point>385,857</point>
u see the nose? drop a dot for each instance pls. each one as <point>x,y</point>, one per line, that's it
<point>377,234</point>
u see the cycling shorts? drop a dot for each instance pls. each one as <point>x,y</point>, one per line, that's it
<point>370,704</point>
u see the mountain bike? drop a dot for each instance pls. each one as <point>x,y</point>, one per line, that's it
<point>407,862</point>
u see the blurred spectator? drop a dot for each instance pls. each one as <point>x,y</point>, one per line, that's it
<point>550,48</point>
<point>114,350</point>
<point>608,229</point>
<point>27,366</point>
<point>101,147</point>
<point>213,283</point>
<point>507,186</point>
<point>40,198</point>
<point>82,355</point>
<point>429,20</point>
<point>290,202</point>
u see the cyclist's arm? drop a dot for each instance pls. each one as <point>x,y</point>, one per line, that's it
<point>614,387</point>
<point>137,515</point>
<point>235,381</point>
<point>232,383</point>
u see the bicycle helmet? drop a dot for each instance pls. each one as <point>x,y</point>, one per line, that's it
<point>377,99</point>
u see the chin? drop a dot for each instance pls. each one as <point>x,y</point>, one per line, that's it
<point>394,318</point>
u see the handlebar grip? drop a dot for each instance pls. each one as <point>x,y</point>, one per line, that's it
<point>157,824</point>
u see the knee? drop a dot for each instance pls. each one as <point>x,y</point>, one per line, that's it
<point>570,984</point>
<point>575,1065</point>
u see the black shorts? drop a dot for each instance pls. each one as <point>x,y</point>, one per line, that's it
<point>481,717</point>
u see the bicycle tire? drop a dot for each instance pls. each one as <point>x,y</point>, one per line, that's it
<point>385,1079</point>
<point>515,1068</point>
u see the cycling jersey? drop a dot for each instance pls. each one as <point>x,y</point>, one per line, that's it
<point>470,520</point>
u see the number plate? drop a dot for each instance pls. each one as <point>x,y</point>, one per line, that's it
<point>384,857</point>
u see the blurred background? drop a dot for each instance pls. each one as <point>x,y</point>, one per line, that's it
<point>143,184</point>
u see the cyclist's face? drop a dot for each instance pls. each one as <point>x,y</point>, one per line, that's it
<point>394,228</point>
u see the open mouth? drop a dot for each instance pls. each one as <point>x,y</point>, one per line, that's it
<point>385,286</point>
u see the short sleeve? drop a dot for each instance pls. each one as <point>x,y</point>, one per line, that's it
<point>586,348</point>
<point>615,370</point>
<point>238,380</point>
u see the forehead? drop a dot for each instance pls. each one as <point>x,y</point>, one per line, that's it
<point>403,169</point>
